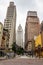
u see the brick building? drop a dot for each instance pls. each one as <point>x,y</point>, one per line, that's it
<point>32,29</point>
<point>42,32</point>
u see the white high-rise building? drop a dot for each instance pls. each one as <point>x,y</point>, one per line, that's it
<point>19,36</point>
<point>10,23</point>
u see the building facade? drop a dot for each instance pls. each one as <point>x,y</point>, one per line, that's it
<point>5,40</point>
<point>1,32</point>
<point>19,37</point>
<point>32,29</point>
<point>42,32</point>
<point>10,23</point>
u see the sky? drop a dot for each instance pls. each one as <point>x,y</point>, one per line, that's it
<point>22,6</point>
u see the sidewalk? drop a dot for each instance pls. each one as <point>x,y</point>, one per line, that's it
<point>29,57</point>
<point>3,58</point>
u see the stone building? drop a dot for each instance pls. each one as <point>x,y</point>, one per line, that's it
<point>32,29</point>
<point>19,37</point>
<point>5,40</point>
<point>42,32</point>
<point>1,32</point>
<point>10,23</point>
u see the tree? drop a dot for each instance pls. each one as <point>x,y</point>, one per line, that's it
<point>20,51</point>
<point>17,49</point>
<point>14,47</point>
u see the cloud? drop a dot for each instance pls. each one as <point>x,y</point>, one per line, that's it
<point>3,9</point>
<point>22,7</point>
<point>39,5</point>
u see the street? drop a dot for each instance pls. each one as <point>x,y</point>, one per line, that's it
<point>22,61</point>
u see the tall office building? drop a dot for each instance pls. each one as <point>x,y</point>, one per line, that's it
<point>42,32</point>
<point>19,37</point>
<point>10,23</point>
<point>32,29</point>
<point>42,26</point>
<point>1,33</point>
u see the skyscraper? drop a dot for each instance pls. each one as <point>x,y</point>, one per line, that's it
<point>19,37</point>
<point>42,26</point>
<point>42,32</point>
<point>32,29</point>
<point>10,23</point>
<point>1,32</point>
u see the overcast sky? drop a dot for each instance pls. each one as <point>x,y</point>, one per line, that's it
<point>22,7</point>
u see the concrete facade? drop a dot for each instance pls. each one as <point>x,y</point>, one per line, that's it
<point>10,23</point>
<point>32,29</point>
<point>5,39</point>
<point>1,32</point>
<point>42,32</point>
<point>19,37</point>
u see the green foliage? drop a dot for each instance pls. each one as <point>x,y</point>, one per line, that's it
<point>20,51</point>
<point>17,49</point>
<point>14,47</point>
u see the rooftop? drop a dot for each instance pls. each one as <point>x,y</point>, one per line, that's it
<point>32,13</point>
